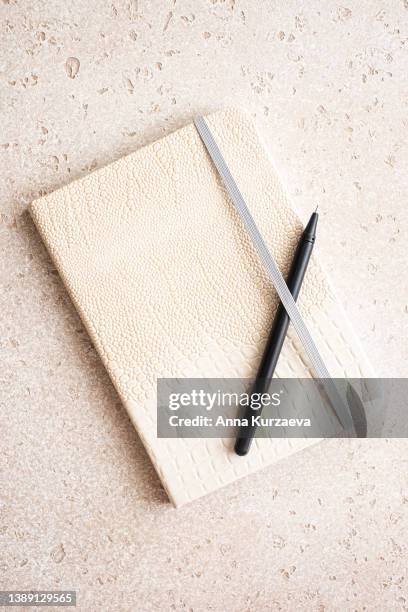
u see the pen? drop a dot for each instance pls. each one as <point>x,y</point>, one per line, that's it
<point>279,329</point>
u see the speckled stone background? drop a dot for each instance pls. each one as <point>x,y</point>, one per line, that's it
<point>84,82</point>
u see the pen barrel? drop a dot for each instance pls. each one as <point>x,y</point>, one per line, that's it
<point>276,339</point>
<point>281,322</point>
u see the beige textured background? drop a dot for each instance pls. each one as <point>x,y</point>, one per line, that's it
<point>84,82</point>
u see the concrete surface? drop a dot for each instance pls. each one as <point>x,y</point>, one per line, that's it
<point>82,83</point>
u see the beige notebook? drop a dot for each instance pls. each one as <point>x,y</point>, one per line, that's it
<point>168,284</point>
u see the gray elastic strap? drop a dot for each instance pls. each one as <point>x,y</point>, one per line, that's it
<point>273,271</point>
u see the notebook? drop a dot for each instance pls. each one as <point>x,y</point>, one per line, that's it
<point>167,283</point>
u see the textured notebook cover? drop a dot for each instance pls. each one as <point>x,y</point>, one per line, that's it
<point>167,284</point>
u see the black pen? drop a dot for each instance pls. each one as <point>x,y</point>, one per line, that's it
<point>278,332</point>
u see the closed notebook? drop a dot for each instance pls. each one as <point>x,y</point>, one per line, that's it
<point>167,283</point>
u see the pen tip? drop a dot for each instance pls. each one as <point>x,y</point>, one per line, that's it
<point>310,229</point>
<point>317,206</point>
